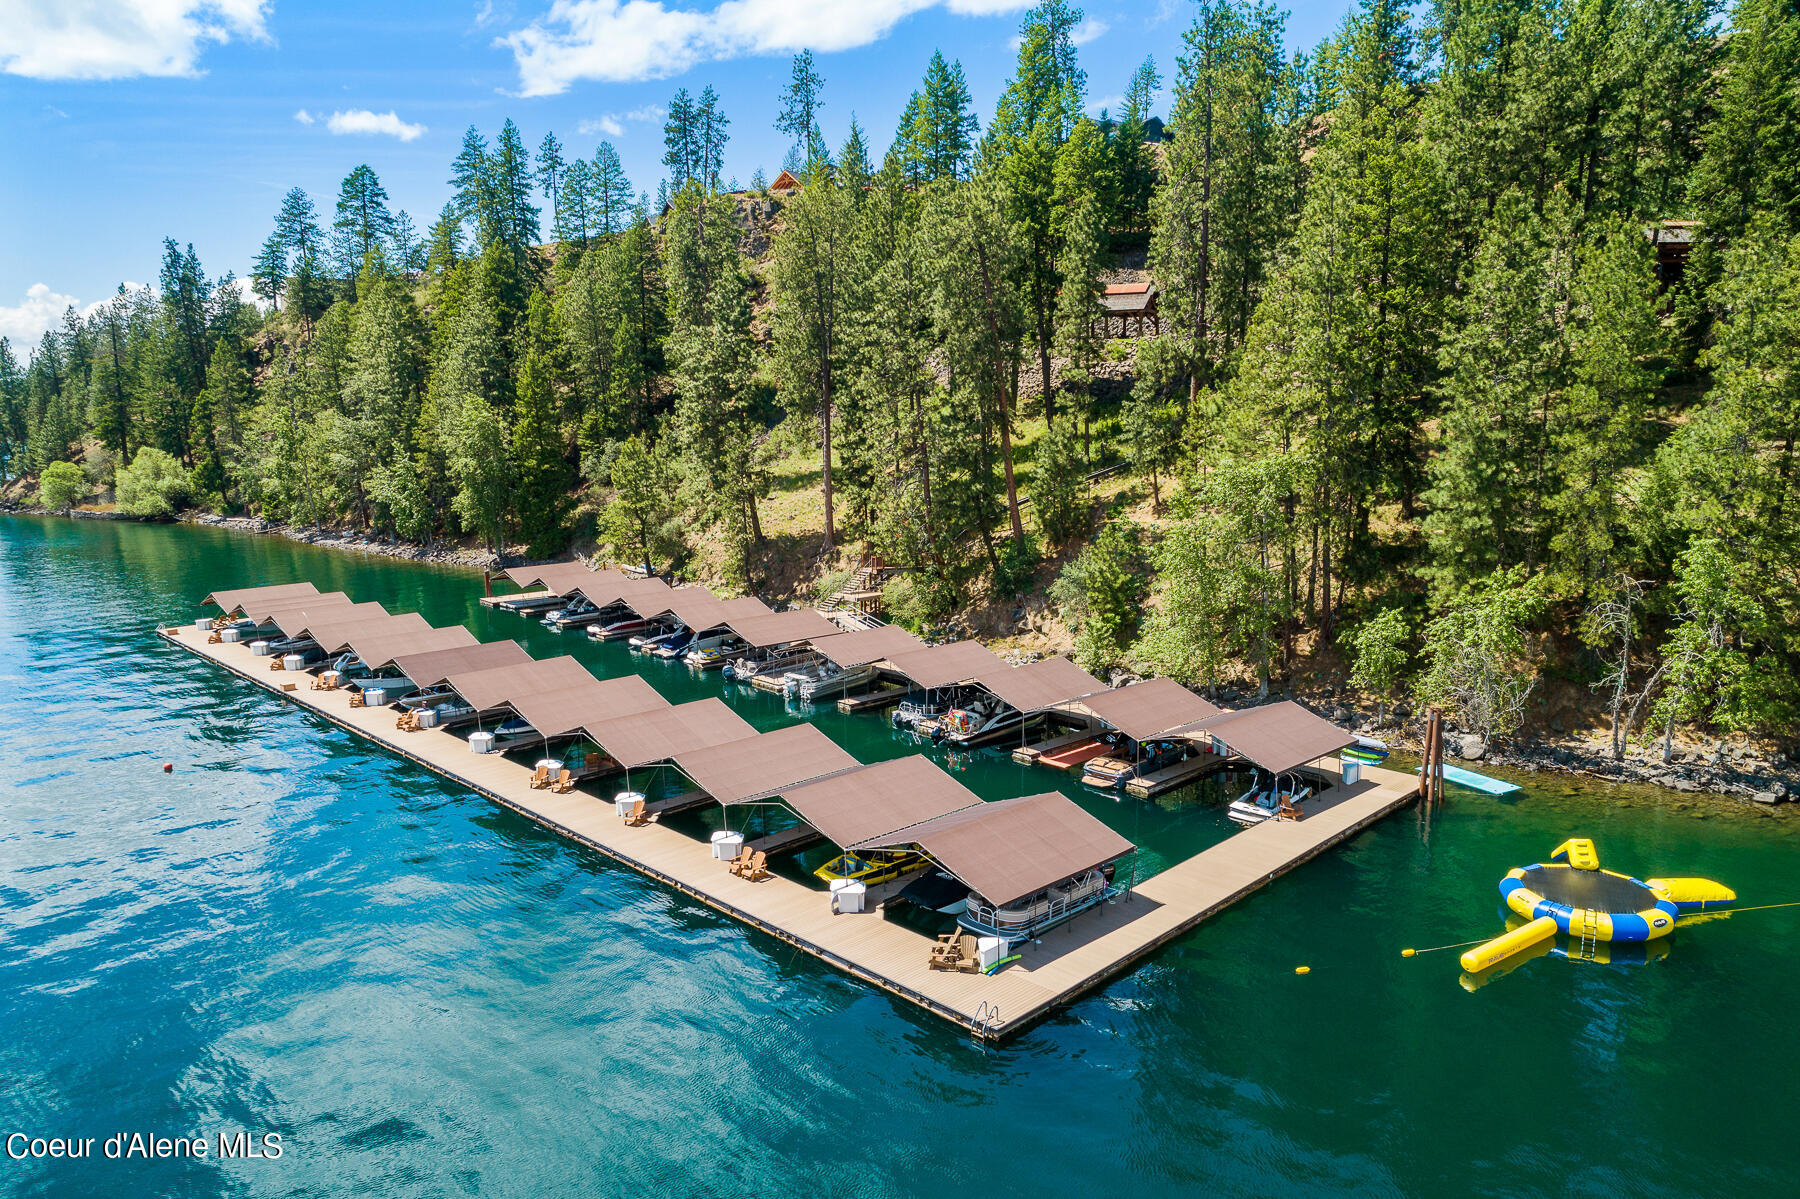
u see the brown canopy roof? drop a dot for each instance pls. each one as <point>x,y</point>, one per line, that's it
<point>562,711</point>
<point>695,607</point>
<point>430,667</point>
<point>864,646</point>
<point>559,578</point>
<point>1008,850</point>
<point>1039,685</point>
<point>1142,710</point>
<point>871,800</point>
<point>941,665</point>
<point>497,685</point>
<point>293,621</point>
<point>616,587</point>
<point>661,733</point>
<point>229,600</point>
<point>1276,737</point>
<point>1128,297</point>
<point>379,647</point>
<point>779,628</point>
<point>333,633</point>
<point>264,609</point>
<point>763,764</point>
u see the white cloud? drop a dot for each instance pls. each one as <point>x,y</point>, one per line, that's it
<point>119,39</point>
<point>304,117</point>
<point>612,124</point>
<point>1110,104</point>
<point>622,40</point>
<point>1088,30</point>
<point>361,120</point>
<point>41,309</point>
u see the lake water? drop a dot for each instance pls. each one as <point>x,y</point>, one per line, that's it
<point>424,994</point>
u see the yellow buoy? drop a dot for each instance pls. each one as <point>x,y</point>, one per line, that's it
<point>1406,953</point>
<point>1302,969</point>
<point>1490,953</point>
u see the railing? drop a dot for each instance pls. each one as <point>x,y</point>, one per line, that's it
<point>1090,889</point>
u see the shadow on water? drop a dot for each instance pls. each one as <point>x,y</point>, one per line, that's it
<point>428,995</point>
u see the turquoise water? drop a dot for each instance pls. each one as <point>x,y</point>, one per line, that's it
<point>426,995</point>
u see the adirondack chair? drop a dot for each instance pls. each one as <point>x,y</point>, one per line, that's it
<point>565,781</point>
<point>637,817</point>
<point>540,777</point>
<point>753,870</point>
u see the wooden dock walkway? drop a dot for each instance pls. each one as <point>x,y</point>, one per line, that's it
<point>520,601</point>
<point>871,701</point>
<point>788,840</point>
<point>1070,961</point>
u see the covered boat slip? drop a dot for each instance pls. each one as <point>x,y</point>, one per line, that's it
<point>1278,737</point>
<point>766,630</point>
<point>234,598</point>
<point>866,647</point>
<point>1071,959</point>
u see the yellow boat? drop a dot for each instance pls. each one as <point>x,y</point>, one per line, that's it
<point>875,866</point>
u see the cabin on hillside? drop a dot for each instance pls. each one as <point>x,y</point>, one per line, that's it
<point>1672,240</point>
<point>1130,310</point>
<point>785,184</point>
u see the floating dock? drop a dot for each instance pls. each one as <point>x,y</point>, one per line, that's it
<point>872,701</point>
<point>1170,777</point>
<point>522,603</point>
<point>1025,755</point>
<point>1068,962</point>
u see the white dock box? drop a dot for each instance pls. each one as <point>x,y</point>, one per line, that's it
<point>481,742</point>
<point>332,678</point>
<point>848,895</point>
<point>624,801</point>
<point>204,624</point>
<point>375,697</point>
<point>232,635</point>
<point>1352,772</point>
<point>427,718</point>
<point>293,662</point>
<point>726,845</point>
<point>260,648</point>
<point>989,951</point>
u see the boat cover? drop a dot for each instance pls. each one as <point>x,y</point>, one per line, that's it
<point>942,665</point>
<point>1277,737</point>
<point>333,632</point>
<point>560,578</point>
<point>293,621</point>
<point>864,646</point>
<point>565,710</point>
<point>264,609</point>
<point>765,629</point>
<point>1010,849</point>
<point>699,609</point>
<point>660,733</point>
<point>1039,685</point>
<point>229,600</point>
<point>496,685</point>
<point>431,667</point>
<point>1143,710</point>
<point>380,646</point>
<point>763,764</point>
<point>870,800</point>
<point>643,595</point>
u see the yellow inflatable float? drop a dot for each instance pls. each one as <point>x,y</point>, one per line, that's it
<point>1572,896</point>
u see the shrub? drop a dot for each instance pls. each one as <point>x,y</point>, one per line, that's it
<point>153,485</point>
<point>61,484</point>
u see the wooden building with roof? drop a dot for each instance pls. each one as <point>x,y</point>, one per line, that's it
<point>1130,310</point>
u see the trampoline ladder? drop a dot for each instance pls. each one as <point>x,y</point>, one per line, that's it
<point>1590,934</point>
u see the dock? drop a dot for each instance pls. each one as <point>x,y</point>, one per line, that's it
<point>1171,777</point>
<point>872,701</point>
<point>687,801</point>
<point>1070,960</point>
<point>1026,755</point>
<point>788,840</point>
<point>521,603</point>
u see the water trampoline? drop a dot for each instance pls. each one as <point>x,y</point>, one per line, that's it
<point>1570,895</point>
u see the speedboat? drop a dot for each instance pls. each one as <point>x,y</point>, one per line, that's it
<point>1126,762</point>
<point>513,733</point>
<point>576,613</point>
<point>871,866</point>
<point>1268,798</point>
<point>674,645</point>
<point>831,680</point>
<point>978,721</point>
<point>713,650</point>
<point>653,634</point>
<point>1026,918</point>
<point>619,624</point>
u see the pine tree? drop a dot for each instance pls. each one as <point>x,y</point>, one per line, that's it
<point>363,225</point>
<point>1133,164</point>
<point>544,478</point>
<point>939,128</point>
<point>681,141</point>
<point>550,170</point>
<point>799,115</point>
<point>610,197</point>
<point>470,198</point>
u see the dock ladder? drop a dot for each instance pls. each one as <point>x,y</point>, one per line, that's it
<point>1590,933</point>
<point>985,1020</point>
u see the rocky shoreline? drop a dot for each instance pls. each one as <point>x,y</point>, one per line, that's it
<point>1736,771</point>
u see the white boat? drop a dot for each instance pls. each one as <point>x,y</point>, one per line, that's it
<point>831,680</point>
<point>1266,798</point>
<point>577,613</point>
<point>513,733</point>
<point>713,650</point>
<point>977,721</point>
<point>654,633</point>
<point>617,624</point>
<point>1026,918</point>
<point>673,646</point>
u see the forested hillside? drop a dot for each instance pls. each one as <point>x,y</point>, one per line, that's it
<point>1425,411</point>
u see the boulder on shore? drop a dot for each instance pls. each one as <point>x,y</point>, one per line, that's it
<point>1471,746</point>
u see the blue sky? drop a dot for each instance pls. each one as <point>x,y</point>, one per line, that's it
<point>130,120</point>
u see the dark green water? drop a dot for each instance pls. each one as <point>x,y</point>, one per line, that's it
<point>428,996</point>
